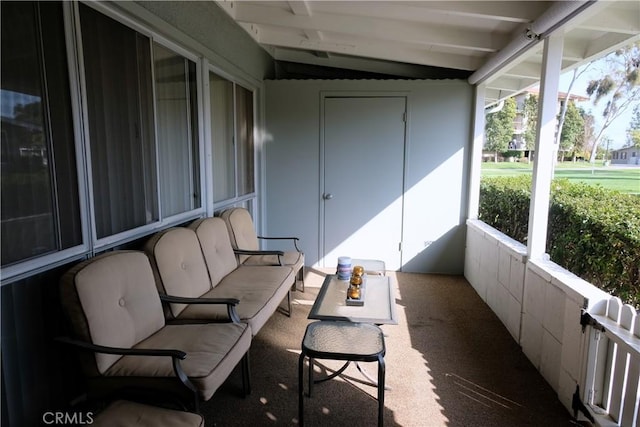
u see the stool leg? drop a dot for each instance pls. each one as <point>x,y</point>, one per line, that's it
<point>310,374</point>
<point>246,375</point>
<point>300,278</point>
<point>381,372</point>
<point>301,389</point>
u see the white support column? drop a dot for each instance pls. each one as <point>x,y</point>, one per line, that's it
<point>543,166</point>
<point>475,159</point>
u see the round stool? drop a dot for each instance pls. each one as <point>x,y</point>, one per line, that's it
<point>352,342</point>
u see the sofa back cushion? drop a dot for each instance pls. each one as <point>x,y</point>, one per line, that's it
<point>216,247</point>
<point>242,232</point>
<point>180,267</point>
<point>112,300</point>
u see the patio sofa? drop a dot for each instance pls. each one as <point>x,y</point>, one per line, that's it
<point>127,347</point>
<point>199,262</point>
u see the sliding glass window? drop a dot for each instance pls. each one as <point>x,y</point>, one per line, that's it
<point>177,131</point>
<point>232,139</point>
<point>115,147</point>
<point>143,127</point>
<point>117,66</point>
<point>222,135</point>
<point>40,203</point>
<point>244,134</point>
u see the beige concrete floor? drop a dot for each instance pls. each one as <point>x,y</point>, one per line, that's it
<point>449,362</point>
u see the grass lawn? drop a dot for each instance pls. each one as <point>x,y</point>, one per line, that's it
<point>623,179</point>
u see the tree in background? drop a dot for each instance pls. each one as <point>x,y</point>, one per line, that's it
<point>499,128</point>
<point>633,131</point>
<point>619,87</point>
<point>572,130</point>
<point>588,136</point>
<point>577,72</point>
<point>577,133</point>
<point>531,117</point>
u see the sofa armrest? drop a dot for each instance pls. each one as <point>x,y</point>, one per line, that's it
<point>96,348</point>
<point>294,239</point>
<point>280,254</point>
<point>230,303</point>
<point>249,252</point>
<point>176,357</point>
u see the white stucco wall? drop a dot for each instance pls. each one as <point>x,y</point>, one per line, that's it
<point>437,151</point>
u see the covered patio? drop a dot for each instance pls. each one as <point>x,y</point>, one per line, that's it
<point>491,332</point>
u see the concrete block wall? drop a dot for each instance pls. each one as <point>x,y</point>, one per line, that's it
<point>552,336</point>
<point>539,302</point>
<point>495,267</point>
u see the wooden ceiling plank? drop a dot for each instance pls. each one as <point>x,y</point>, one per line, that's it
<point>400,53</point>
<point>374,28</point>
<point>372,65</point>
<point>300,7</point>
<point>614,21</point>
<point>499,11</point>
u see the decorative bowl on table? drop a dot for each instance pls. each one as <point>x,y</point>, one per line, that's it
<point>355,292</point>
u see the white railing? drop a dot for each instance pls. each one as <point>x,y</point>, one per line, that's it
<point>613,363</point>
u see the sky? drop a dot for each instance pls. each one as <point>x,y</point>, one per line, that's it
<point>617,131</point>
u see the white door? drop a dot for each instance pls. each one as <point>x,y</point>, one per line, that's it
<point>364,139</point>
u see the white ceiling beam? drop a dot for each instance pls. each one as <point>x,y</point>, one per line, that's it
<point>437,11</point>
<point>374,28</point>
<point>608,43</point>
<point>581,49</point>
<point>519,12</point>
<point>525,69</point>
<point>313,35</point>
<point>302,8</point>
<point>576,50</point>
<point>384,51</point>
<point>509,84</point>
<point>494,95</point>
<point>612,20</point>
<point>252,29</point>
<point>227,6</point>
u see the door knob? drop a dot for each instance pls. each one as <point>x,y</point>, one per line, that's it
<point>327,196</point>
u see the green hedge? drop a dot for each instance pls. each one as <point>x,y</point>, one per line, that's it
<point>593,232</point>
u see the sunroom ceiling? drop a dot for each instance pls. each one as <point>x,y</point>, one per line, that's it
<point>403,38</point>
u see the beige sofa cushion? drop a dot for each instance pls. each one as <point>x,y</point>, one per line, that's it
<point>99,293</point>
<point>293,259</point>
<point>178,259</point>
<point>243,235</point>
<point>213,350</point>
<point>259,289</point>
<point>242,232</point>
<point>124,413</point>
<point>216,247</point>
